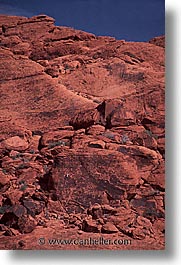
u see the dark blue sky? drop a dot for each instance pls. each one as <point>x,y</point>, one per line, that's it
<point>137,20</point>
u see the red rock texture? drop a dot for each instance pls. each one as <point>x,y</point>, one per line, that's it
<point>159,41</point>
<point>81,138</point>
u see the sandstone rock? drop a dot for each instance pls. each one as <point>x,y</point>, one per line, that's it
<point>80,232</point>
<point>63,93</point>
<point>97,180</point>
<point>109,228</point>
<point>135,135</point>
<point>159,226</point>
<point>10,232</point>
<point>11,216</point>
<point>15,143</point>
<point>33,207</point>
<point>114,114</point>
<point>90,225</point>
<point>85,120</point>
<point>157,177</point>
<point>145,206</point>
<point>107,209</point>
<point>144,222</point>
<point>26,224</point>
<point>18,210</point>
<point>13,195</point>
<point>115,147</point>
<point>34,144</point>
<point>113,136</point>
<point>4,179</point>
<point>123,220</point>
<point>66,128</point>
<point>56,137</point>
<point>53,71</point>
<point>9,220</point>
<point>96,130</point>
<point>8,129</point>
<point>159,41</point>
<point>81,141</point>
<point>95,211</point>
<point>27,176</point>
<point>97,144</point>
<point>11,20</point>
<point>138,233</point>
<point>161,145</point>
<point>80,131</point>
<point>115,72</point>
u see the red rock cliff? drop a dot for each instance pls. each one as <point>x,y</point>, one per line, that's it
<point>81,136</point>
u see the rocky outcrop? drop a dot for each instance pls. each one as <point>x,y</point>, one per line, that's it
<point>159,41</point>
<point>81,136</point>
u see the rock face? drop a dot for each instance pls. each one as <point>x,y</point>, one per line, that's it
<point>159,41</point>
<point>81,136</point>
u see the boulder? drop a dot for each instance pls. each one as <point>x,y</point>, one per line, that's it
<point>85,119</point>
<point>33,207</point>
<point>58,138</point>
<point>109,228</point>
<point>26,224</point>
<point>97,144</point>
<point>15,143</point>
<point>89,225</point>
<point>96,130</point>
<point>4,179</point>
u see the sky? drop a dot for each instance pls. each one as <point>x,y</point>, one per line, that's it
<point>133,20</point>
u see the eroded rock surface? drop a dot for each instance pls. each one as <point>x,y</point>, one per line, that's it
<point>81,137</point>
